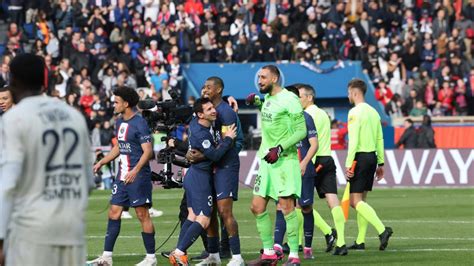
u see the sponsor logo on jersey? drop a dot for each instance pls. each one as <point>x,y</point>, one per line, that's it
<point>266,117</point>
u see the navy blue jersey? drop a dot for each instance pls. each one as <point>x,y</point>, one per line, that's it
<point>203,139</point>
<point>303,146</point>
<point>226,117</point>
<point>131,134</point>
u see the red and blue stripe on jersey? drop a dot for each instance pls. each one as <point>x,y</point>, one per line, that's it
<point>131,134</point>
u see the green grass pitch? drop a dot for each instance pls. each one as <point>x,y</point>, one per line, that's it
<point>431,227</point>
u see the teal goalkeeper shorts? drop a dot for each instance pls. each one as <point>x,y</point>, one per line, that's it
<point>281,179</point>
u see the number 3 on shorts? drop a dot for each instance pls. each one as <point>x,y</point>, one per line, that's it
<point>209,202</point>
<point>114,190</point>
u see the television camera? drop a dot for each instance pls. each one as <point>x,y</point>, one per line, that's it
<point>165,117</point>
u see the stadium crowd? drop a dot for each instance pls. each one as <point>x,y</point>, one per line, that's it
<point>417,53</point>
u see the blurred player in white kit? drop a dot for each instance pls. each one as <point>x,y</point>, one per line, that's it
<point>45,174</point>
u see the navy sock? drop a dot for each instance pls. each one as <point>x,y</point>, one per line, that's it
<point>280,228</point>
<point>212,244</point>
<point>234,242</point>
<point>191,235</point>
<point>204,239</point>
<point>224,236</point>
<point>149,241</point>
<point>308,228</point>
<point>113,230</point>
<point>184,228</point>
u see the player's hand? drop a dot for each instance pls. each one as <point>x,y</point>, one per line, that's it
<point>97,167</point>
<point>303,166</point>
<point>379,173</point>
<point>194,156</point>
<point>130,177</point>
<point>233,103</point>
<point>231,131</point>
<point>349,173</point>
<point>273,154</point>
<point>171,142</point>
<point>252,99</point>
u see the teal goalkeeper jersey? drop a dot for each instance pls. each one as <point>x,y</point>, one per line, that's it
<point>283,123</point>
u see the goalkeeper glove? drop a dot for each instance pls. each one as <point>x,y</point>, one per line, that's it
<point>253,99</point>
<point>273,154</point>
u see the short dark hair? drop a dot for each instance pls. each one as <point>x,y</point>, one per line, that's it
<point>197,107</point>
<point>4,89</point>
<point>298,85</point>
<point>28,70</point>
<point>293,89</point>
<point>127,94</point>
<point>409,121</point>
<point>309,90</point>
<point>273,69</point>
<point>358,84</point>
<point>426,120</point>
<point>218,81</point>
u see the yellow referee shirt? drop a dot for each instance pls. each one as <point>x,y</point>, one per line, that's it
<point>323,127</point>
<point>365,133</point>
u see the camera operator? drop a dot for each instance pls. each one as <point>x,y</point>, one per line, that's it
<point>197,182</point>
<point>132,187</point>
<point>103,177</point>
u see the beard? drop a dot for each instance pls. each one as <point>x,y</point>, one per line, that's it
<point>266,89</point>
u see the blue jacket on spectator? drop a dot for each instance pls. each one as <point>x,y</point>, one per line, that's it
<point>120,15</point>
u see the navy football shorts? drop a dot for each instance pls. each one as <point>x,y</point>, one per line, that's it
<point>198,187</point>
<point>134,194</point>
<point>226,182</point>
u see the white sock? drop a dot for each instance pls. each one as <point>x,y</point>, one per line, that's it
<point>107,254</point>
<point>278,246</point>
<point>151,256</point>
<point>214,255</point>
<point>268,251</point>
<point>237,257</point>
<point>293,255</point>
<point>179,252</point>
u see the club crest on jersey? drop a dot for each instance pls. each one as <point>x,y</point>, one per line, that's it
<point>206,144</point>
<point>122,133</point>
<point>268,104</point>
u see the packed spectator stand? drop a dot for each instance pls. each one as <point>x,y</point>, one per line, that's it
<point>417,53</point>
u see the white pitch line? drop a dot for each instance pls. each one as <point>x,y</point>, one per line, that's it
<point>429,250</point>
<point>256,237</point>
<point>377,251</point>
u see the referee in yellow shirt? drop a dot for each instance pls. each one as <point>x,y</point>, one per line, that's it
<point>365,147</point>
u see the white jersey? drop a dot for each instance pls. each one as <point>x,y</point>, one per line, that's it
<point>51,141</point>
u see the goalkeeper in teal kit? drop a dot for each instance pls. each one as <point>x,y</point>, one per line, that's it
<point>279,176</point>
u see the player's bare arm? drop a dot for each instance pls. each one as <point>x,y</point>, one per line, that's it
<point>309,156</point>
<point>233,103</point>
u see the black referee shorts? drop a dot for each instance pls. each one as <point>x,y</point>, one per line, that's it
<point>364,172</point>
<point>326,176</point>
